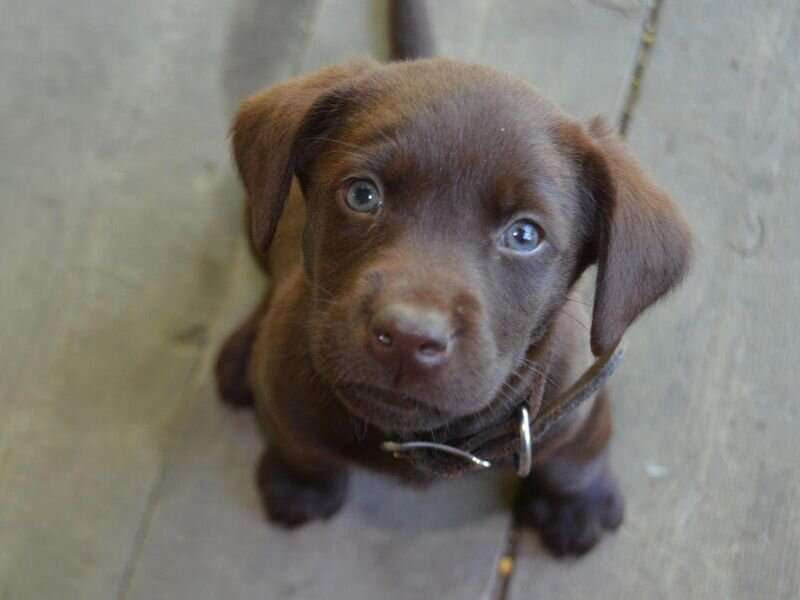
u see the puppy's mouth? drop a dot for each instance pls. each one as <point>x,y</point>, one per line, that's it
<point>388,410</point>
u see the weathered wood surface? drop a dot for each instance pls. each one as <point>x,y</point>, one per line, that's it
<point>122,267</point>
<point>118,223</point>
<point>707,410</point>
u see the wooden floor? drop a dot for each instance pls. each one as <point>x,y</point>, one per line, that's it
<point>122,266</point>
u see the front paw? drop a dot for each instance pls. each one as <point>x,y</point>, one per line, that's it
<point>571,524</point>
<point>291,499</point>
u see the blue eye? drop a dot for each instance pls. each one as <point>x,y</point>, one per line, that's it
<point>363,196</point>
<point>522,236</point>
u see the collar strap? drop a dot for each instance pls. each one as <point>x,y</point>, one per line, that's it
<point>513,440</point>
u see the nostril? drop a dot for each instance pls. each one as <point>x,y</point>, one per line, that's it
<point>432,349</point>
<point>384,338</point>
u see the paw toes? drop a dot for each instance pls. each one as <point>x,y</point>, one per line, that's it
<point>585,538</point>
<point>290,502</point>
<point>572,524</point>
<point>614,512</point>
<point>571,532</point>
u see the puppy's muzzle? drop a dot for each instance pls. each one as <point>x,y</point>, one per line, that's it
<point>410,338</point>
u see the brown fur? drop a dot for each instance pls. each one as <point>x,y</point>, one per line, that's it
<point>457,150</point>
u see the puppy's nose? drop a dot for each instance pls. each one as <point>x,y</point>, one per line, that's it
<point>412,337</point>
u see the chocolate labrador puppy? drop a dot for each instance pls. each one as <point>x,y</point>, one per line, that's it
<point>423,224</point>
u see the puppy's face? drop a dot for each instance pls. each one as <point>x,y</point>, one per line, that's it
<point>449,211</point>
<point>445,229</point>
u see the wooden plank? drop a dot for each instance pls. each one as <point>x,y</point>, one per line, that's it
<point>116,232</point>
<point>707,414</point>
<point>207,537</point>
<point>547,44</point>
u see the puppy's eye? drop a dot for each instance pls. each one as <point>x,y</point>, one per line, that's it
<point>523,236</point>
<point>363,196</point>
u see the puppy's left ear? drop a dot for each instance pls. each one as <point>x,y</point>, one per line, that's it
<point>640,241</point>
<point>265,132</point>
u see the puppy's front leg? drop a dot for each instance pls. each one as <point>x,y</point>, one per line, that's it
<point>572,497</point>
<point>234,359</point>
<point>295,492</point>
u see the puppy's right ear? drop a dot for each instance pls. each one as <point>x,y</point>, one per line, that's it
<point>641,243</point>
<point>264,132</point>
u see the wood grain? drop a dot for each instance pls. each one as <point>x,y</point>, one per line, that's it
<point>122,266</point>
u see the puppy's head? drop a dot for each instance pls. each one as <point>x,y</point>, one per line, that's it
<point>450,209</point>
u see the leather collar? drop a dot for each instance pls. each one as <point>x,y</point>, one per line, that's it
<point>513,439</point>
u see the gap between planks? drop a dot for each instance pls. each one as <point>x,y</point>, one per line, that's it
<point>506,561</point>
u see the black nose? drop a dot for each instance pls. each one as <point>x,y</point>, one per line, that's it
<point>410,337</point>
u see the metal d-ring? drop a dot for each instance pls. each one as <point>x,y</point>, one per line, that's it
<point>525,454</point>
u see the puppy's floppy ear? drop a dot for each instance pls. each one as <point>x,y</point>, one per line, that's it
<point>641,243</point>
<point>264,132</point>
